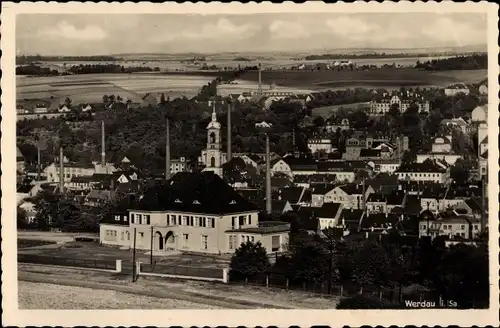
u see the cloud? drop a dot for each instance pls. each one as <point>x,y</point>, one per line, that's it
<point>460,33</point>
<point>352,28</point>
<point>223,29</point>
<point>287,30</point>
<point>68,31</point>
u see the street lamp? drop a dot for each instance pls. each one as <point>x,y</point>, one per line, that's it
<point>265,128</point>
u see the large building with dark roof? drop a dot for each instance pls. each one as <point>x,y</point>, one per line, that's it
<point>195,212</point>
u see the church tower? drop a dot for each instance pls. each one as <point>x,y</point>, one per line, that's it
<point>214,156</point>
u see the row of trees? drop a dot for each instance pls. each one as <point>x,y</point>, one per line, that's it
<point>458,274</point>
<point>475,61</point>
<point>27,59</point>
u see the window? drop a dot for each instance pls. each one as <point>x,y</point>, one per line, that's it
<point>232,242</point>
<point>139,218</point>
<point>424,227</point>
<point>213,222</point>
<point>168,219</point>
<point>275,243</point>
<point>253,239</point>
<point>148,219</point>
<point>249,219</point>
<point>174,220</point>
<point>191,220</point>
<point>123,235</point>
<point>186,239</point>
<point>117,218</point>
<point>476,227</point>
<point>233,222</point>
<point>132,218</point>
<point>204,242</point>
<point>125,219</point>
<point>462,227</point>
<point>204,222</point>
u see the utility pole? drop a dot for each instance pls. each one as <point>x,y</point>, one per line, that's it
<point>38,165</point>
<point>151,257</point>
<point>61,170</point>
<point>229,150</point>
<point>133,258</point>
<point>167,150</point>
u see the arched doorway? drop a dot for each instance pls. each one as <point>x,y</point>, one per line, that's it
<point>159,241</point>
<point>212,161</point>
<point>170,240</point>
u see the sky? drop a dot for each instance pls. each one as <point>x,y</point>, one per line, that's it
<point>104,34</point>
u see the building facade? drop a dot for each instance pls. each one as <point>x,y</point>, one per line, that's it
<point>213,158</point>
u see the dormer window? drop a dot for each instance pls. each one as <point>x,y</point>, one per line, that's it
<point>195,202</point>
<point>178,201</point>
<point>232,202</point>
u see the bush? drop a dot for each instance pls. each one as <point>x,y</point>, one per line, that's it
<point>364,302</point>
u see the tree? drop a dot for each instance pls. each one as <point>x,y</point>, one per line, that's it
<point>46,209</point>
<point>319,121</point>
<point>162,98</point>
<point>67,102</point>
<point>459,174</point>
<point>249,260</point>
<point>370,264</point>
<point>463,276</point>
<point>22,222</point>
<point>394,110</point>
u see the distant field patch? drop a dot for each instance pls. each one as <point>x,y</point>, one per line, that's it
<point>327,111</point>
<point>82,83</point>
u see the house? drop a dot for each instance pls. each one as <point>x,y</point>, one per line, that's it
<point>483,89</point>
<point>252,159</point>
<point>320,144</point>
<point>301,165</point>
<point>342,171</point>
<point>195,212</point>
<point>450,224</point>
<point>376,203</point>
<point>280,166</point>
<point>381,104</point>
<point>459,123</point>
<point>329,215</point>
<point>396,199</point>
<point>70,170</point>
<point>97,198</point>
<point>19,160</point>
<point>293,195</point>
<point>480,114</point>
<point>455,89</point>
<point>441,145</point>
<point>350,195</point>
<point>178,165</point>
<point>428,171</point>
<point>334,123</point>
<point>471,207</point>
<point>388,166</point>
<point>64,109</point>
<point>321,193</point>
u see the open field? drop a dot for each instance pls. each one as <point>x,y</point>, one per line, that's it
<point>25,243</point>
<point>376,78</point>
<point>92,250</point>
<point>157,293</point>
<point>91,87</point>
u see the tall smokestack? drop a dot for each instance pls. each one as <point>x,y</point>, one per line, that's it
<point>39,165</point>
<point>103,145</point>
<point>229,150</point>
<point>260,80</point>
<point>268,177</point>
<point>167,151</point>
<point>61,170</point>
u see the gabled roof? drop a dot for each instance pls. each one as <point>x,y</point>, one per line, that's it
<point>352,189</point>
<point>396,197</point>
<point>328,210</point>
<point>376,197</point>
<point>203,192</point>
<point>322,188</point>
<point>291,194</point>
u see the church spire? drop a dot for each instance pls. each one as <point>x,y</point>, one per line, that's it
<point>214,114</point>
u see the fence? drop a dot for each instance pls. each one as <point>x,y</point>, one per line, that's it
<point>110,265</point>
<point>345,290</point>
<point>183,272</point>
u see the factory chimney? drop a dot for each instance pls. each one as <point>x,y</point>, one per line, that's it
<point>103,145</point>
<point>229,150</point>
<point>260,80</point>
<point>61,170</point>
